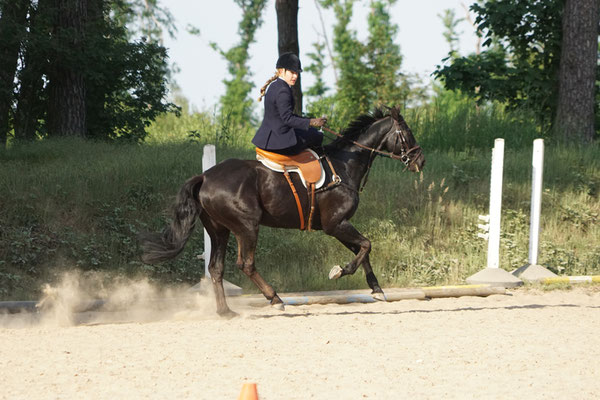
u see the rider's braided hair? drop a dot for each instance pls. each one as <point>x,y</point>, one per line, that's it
<point>263,90</point>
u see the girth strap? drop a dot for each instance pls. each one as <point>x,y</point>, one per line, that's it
<point>311,199</point>
<point>300,213</point>
<point>311,187</point>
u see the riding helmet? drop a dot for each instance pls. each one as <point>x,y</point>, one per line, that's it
<point>289,61</point>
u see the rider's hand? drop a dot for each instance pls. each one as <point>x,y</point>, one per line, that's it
<point>318,122</point>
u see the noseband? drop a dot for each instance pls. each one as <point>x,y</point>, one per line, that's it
<point>405,155</point>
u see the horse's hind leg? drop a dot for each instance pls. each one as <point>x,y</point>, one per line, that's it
<point>219,236</point>
<point>245,261</point>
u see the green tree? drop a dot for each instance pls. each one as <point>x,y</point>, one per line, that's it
<point>353,90</point>
<point>319,103</point>
<point>450,31</point>
<point>316,68</point>
<point>236,104</point>
<point>369,73</point>
<point>143,18</point>
<point>128,78</point>
<point>81,74</point>
<point>31,98</point>
<point>384,58</point>
<point>127,91</point>
<point>12,30</point>
<point>520,63</point>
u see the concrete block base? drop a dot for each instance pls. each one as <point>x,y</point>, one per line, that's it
<point>533,273</point>
<point>495,277</point>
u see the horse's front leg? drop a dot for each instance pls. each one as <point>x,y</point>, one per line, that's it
<point>377,292</point>
<point>347,234</point>
<point>372,281</point>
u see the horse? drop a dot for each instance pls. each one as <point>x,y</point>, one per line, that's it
<point>237,196</point>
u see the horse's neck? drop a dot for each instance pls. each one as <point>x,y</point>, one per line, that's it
<point>352,164</point>
<point>355,159</point>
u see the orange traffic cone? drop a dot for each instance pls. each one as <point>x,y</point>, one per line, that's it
<point>248,392</point>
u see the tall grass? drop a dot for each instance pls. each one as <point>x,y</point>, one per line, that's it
<point>455,122</point>
<point>73,204</point>
<point>205,126</point>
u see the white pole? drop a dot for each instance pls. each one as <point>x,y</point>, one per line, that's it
<point>493,257</point>
<point>209,159</point>
<point>536,199</point>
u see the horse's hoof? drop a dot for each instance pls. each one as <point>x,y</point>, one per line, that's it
<point>335,272</point>
<point>379,296</point>
<point>228,314</point>
<point>277,303</point>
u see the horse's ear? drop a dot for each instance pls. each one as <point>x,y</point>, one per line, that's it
<point>395,113</point>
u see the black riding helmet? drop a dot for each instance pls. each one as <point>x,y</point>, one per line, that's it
<point>289,61</point>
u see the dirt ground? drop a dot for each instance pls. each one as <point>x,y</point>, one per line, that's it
<point>527,344</point>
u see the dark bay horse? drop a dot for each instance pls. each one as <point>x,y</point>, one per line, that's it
<point>237,196</point>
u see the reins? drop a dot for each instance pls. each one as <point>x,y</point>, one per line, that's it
<point>403,157</point>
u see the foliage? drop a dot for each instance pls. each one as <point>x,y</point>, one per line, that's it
<point>369,72</point>
<point>352,96</point>
<point>454,121</point>
<point>127,85</point>
<point>171,127</point>
<point>384,58</point>
<point>319,103</point>
<point>450,34</point>
<point>143,17</point>
<point>520,65</point>
<point>236,101</point>
<point>124,80</point>
<point>200,127</point>
<point>316,68</point>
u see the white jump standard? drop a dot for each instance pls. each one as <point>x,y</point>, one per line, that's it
<point>532,272</point>
<point>493,274</point>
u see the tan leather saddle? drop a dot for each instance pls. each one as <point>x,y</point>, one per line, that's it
<point>307,163</point>
<point>309,167</point>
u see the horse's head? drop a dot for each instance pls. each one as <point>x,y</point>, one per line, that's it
<point>399,142</point>
<point>384,135</point>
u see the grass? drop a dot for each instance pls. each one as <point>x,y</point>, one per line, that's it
<point>71,204</point>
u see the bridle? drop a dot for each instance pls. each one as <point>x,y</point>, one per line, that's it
<point>406,154</point>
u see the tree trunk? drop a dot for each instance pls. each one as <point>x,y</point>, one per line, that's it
<point>29,99</point>
<point>96,93</point>
<point>67,89</point>
<point>577,71</point>
<point>287,33</point>
<point>12,29</point>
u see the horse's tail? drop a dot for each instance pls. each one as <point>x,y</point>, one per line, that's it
<point>170,242</point>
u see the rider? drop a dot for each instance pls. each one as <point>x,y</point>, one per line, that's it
<point>281,130</point>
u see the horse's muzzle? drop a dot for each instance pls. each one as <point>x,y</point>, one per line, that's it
<point>417,164</point>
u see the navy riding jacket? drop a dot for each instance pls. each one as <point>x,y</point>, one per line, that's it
<point>277,129</point>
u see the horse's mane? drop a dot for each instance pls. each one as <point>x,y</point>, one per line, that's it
<point>358,126</point>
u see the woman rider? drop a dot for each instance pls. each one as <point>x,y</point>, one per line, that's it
<point>281,130</point>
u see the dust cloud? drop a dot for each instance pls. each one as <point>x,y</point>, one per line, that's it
<point>89,298</point>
